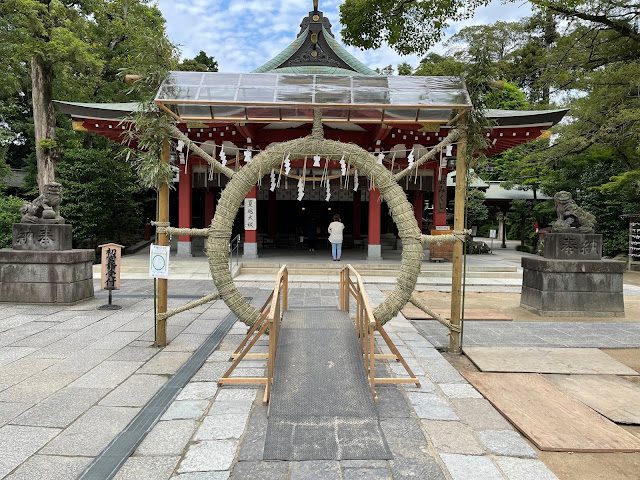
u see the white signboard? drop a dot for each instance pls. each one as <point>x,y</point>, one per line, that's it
<point>492,234</point>
<point>442,227</point>
<point>250,214</point>
<point>159,261</point>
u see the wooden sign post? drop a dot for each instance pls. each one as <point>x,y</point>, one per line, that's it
<point>110,280</point>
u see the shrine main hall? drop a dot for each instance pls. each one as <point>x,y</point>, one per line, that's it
<point>234,116</point>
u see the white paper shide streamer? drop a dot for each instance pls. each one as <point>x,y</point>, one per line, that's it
<point>328,192</point>
<point>287,165</point>
<point>223,156</point>
<point>272,187</point>
<point>355,181</point>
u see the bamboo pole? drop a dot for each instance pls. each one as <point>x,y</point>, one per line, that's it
<point>455,343</point>
<point>163,217</point>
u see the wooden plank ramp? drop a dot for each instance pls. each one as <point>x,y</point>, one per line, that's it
<point>614,397</point>
<point>585,361</point>
<point>414,313</point>
<point>550,418</point>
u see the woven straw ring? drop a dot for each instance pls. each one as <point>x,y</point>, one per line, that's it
<point>243,180</point>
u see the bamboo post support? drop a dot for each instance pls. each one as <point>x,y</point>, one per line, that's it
<point>455,341</point>
<point>163,217</point>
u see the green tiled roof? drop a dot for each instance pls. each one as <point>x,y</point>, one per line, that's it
<point>358,67</point>
<point>353,62</point>
<point>283,55</point>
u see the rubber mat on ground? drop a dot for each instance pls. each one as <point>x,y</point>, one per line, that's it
<point>321,407</point>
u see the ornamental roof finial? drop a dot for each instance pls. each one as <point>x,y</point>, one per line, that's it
<point>315,5</point>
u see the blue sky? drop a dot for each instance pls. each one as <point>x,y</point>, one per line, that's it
<point>244,34</point>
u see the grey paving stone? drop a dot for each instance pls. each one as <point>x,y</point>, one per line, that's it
<point>468,467</point>
<point>253,442</point>
<point>186,343</point>
<point>459,390</point>
<point>36,388</point>
<point>452,437</point>
<point>364,464</point>
<point>441,371</point>
<point>260,471</point>
<point>315,470</point>
<point>525,469</point>
<point>479,414</point>
<point>107,375</point>
<point>404,437</point>
<point>49,467</point>
<point>147,468</point>
<point>431,406</point>
<point>426,385</point>
<point>211,372</point>
<point>10,410</point>
<point>391,403</point>
<point>198,391</point>
<point>218,427</point>
<point>167,438</point>
<point>236,395</point>
<point>506,443</point>
<point>410,469</point>
<point>134,354</point>
<point>93,431</point>
<point>80,361</point>
<point>11,354</point>
<point>186,409</point>
<point>366,474</point>
<point>18,443</point>
<point>209,455</point>
<point>61,408</point>
<point>202,476</point>
<point>230,406</point>
<point>135,391</point>
<point>165,363</point>
<point>24,368</point>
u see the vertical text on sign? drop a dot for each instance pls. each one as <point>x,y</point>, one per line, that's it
<point>250,214</point>
<point>111,254</point>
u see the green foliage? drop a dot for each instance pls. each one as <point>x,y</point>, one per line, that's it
<point>477,211</point>
<point>99,196</point>
<point>9,214</point>
<point>509,98</point>
<point>200,63</point>
<point>410,26</point>
<point>405,69</point>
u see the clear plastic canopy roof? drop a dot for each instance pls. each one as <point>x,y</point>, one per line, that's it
<point>271,97</point>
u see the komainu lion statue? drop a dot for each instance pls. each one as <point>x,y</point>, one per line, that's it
<point>571,218</point>
<point>45,208</point>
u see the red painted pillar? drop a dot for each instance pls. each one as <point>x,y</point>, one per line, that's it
<point>209,206</point>
<point>272,228</point>
<point>440,199</point>
<point>356,215</point>
<point>374,250</point>
<point>251,224</point>
<point>185,198</point>
<point>418,207</point>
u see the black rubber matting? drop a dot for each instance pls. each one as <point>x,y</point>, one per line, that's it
<point>321,406</point>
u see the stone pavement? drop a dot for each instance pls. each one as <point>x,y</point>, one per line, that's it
<point>72,378</point>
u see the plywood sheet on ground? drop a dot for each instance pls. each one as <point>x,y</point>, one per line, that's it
<point>584,361</point>
<point>612,396</point>
<point>414,313</point>
<point>548,417</point>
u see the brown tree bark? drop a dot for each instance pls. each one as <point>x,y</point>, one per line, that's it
<point>44,120</point>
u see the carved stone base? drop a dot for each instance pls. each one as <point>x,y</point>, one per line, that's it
<point>573,246</point>
<point>47,237</point>
<point>571,288</point>
<point>64,277</point>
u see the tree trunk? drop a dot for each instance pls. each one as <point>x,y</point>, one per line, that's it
<point>44,120</point>
<point>550,35</point>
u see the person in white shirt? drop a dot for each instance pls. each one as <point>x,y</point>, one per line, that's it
<point>335,237</point>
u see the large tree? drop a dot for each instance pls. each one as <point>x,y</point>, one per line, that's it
<point>47,35</point>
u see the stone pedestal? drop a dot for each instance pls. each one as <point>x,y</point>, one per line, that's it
<point>48,237</point>
<point>572,280</point>
<point>64,277</point>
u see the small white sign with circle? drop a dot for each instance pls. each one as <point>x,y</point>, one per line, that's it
<point>158,261</point>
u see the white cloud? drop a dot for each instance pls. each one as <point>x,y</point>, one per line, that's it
<point>242,35</point>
